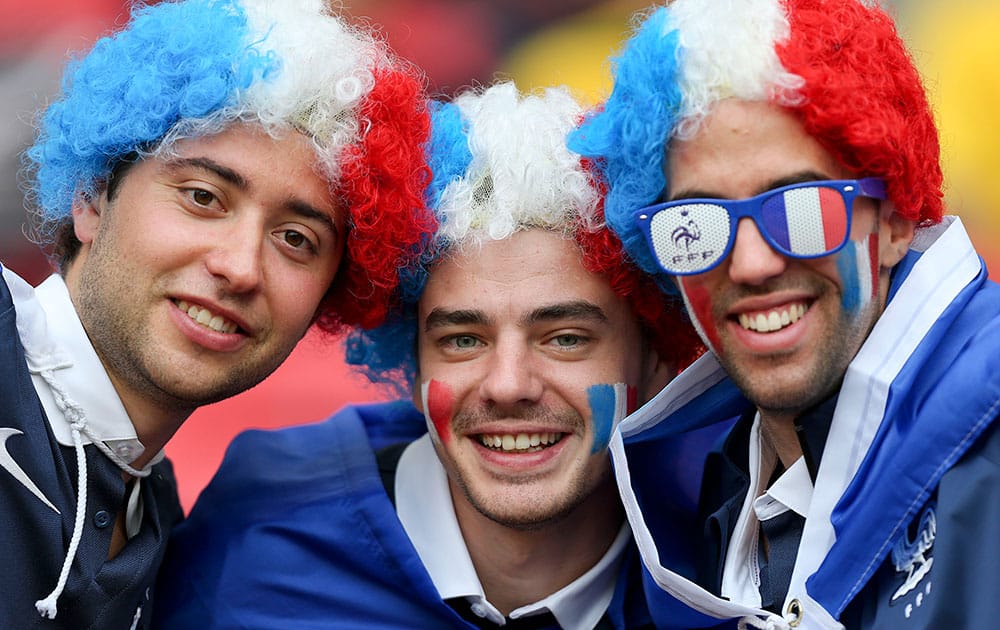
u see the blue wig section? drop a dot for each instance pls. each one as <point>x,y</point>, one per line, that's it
<point>387,354</point>
<point>448,157</point>
<point>627,137</point>
<point>448,153</point>
<point>174,61</point>
<point>603,403</point>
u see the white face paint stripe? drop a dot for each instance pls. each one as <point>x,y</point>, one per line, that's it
<point>7,463</point>
<point>424,387</point>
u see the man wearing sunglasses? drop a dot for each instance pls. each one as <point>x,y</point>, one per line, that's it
<point>778,163</point>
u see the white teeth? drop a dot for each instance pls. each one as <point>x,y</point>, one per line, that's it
<point>207,318</point>
<point>772,320</point>
<point>528,442</point>
<point>762,323</point>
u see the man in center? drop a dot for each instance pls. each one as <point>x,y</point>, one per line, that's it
<point>488,502</point>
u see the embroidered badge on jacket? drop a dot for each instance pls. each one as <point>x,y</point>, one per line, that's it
<point>910,557</point>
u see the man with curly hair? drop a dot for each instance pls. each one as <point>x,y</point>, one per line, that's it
<point>522,338</point>
<point>777,162</point>
<point>215,178</point>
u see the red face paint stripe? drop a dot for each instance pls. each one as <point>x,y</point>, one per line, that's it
<point>439,408</point>
<point>873,259</point>
<point>701,304</point>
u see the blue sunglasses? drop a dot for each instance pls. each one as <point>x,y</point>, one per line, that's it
<point>805,220</point>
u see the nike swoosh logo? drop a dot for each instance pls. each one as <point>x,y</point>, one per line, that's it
<point>7,463</point>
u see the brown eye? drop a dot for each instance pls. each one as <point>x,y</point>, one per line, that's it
<point>295,239</point>
<point>202,197</point>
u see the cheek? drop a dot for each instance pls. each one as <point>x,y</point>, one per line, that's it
<point>609,404</point>
<point>699,306</point>
<point>438,408</point>
<point>857,265</point>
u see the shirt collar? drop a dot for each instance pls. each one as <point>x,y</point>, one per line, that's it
<point>62,345</point>
<point>425,509</point>
<point>791,491</point>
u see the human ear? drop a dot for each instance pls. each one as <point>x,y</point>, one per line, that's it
<point>896,234</point>
<point>87,212</point>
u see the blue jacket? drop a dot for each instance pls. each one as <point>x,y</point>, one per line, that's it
<point>296,531</point>
<point>904,526</point>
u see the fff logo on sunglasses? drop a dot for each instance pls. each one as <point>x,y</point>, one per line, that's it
<point>683,236</point>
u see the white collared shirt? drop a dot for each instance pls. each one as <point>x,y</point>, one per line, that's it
<point>54,339</point>
<point>424,507</point>
<point>791,491</point>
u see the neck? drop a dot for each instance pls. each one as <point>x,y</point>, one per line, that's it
<point>154,426</point>
<point>778,430</point>
<point>517,567</point>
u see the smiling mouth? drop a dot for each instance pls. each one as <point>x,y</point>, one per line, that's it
<point>207,318</point>
<point>520,442</point>
<point>774,319</point>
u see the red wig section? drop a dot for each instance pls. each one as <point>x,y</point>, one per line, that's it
<point>382,184</point>
<point>661,315</point>
<point>864,100</point>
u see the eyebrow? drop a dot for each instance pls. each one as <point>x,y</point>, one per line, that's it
<point>207,164</point>
<point>440,318</point>
<point>575,309</point>
<point>298,207</point>
<point>794,178</point>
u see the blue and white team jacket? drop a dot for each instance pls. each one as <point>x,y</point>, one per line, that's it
<point>39,495</point>
<point>903,530</point>
<point>296,531</point>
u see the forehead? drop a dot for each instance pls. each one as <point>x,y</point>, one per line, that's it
<point>508,278</point>
<point>743,148</point>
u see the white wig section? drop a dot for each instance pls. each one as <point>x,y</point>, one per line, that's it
<point>521,175</point>
<point>326,71</point>
<point>730,57</point>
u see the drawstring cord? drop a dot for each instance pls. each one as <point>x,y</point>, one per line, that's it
<point>78,424</point>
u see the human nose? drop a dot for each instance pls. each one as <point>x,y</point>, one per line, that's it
<point>236,258</point>
<point>752,260</point>
<point>511,377</point>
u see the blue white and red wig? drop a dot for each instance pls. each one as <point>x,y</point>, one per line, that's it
<point>839,65</point>
<point>500,165</point>
<point>189,68</point>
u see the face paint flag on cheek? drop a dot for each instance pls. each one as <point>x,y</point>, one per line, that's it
<point>609,404</point>
<point>857,265</point>
<point>699,307</point>
<point>438,405</point>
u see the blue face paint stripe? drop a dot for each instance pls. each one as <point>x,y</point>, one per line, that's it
<point>847,265</point>
<point>603,405</point>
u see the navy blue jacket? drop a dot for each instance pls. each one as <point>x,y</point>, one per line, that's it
<point>99,593</point>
